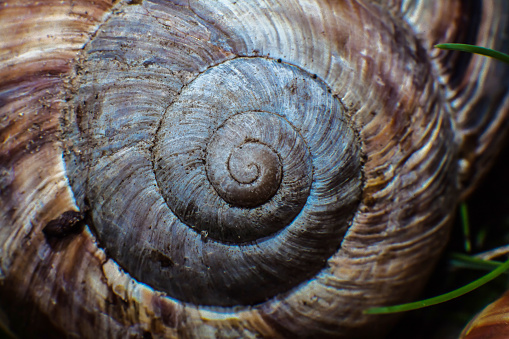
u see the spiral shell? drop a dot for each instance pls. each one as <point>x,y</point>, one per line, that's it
<point>237,157</point>
<point>235,169</point>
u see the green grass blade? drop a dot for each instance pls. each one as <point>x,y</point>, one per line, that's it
<point>441,298</point>
<point>481,236</point>
<point>466,226</point>
<point>466,261</point>
<point>475,49</point>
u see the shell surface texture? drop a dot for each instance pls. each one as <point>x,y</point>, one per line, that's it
<point>227,169</point>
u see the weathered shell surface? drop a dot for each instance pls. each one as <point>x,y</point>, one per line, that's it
<point>97,97</point>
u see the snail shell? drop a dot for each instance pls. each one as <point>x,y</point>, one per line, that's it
<point>491,323</point>
<point>235,169</point>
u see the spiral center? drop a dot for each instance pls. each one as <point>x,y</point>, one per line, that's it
<point>245,175</point>
<point>243,162</point>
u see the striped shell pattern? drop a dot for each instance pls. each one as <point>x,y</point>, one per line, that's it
<point>220,168</point>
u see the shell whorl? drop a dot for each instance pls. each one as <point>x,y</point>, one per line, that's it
<point>247,184</point>
<point>244,168</point>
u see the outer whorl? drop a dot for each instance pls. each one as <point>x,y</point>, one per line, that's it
<point>234,169</point>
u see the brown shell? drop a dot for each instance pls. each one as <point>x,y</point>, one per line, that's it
<point>491,323</point>
<point>426,125</point>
